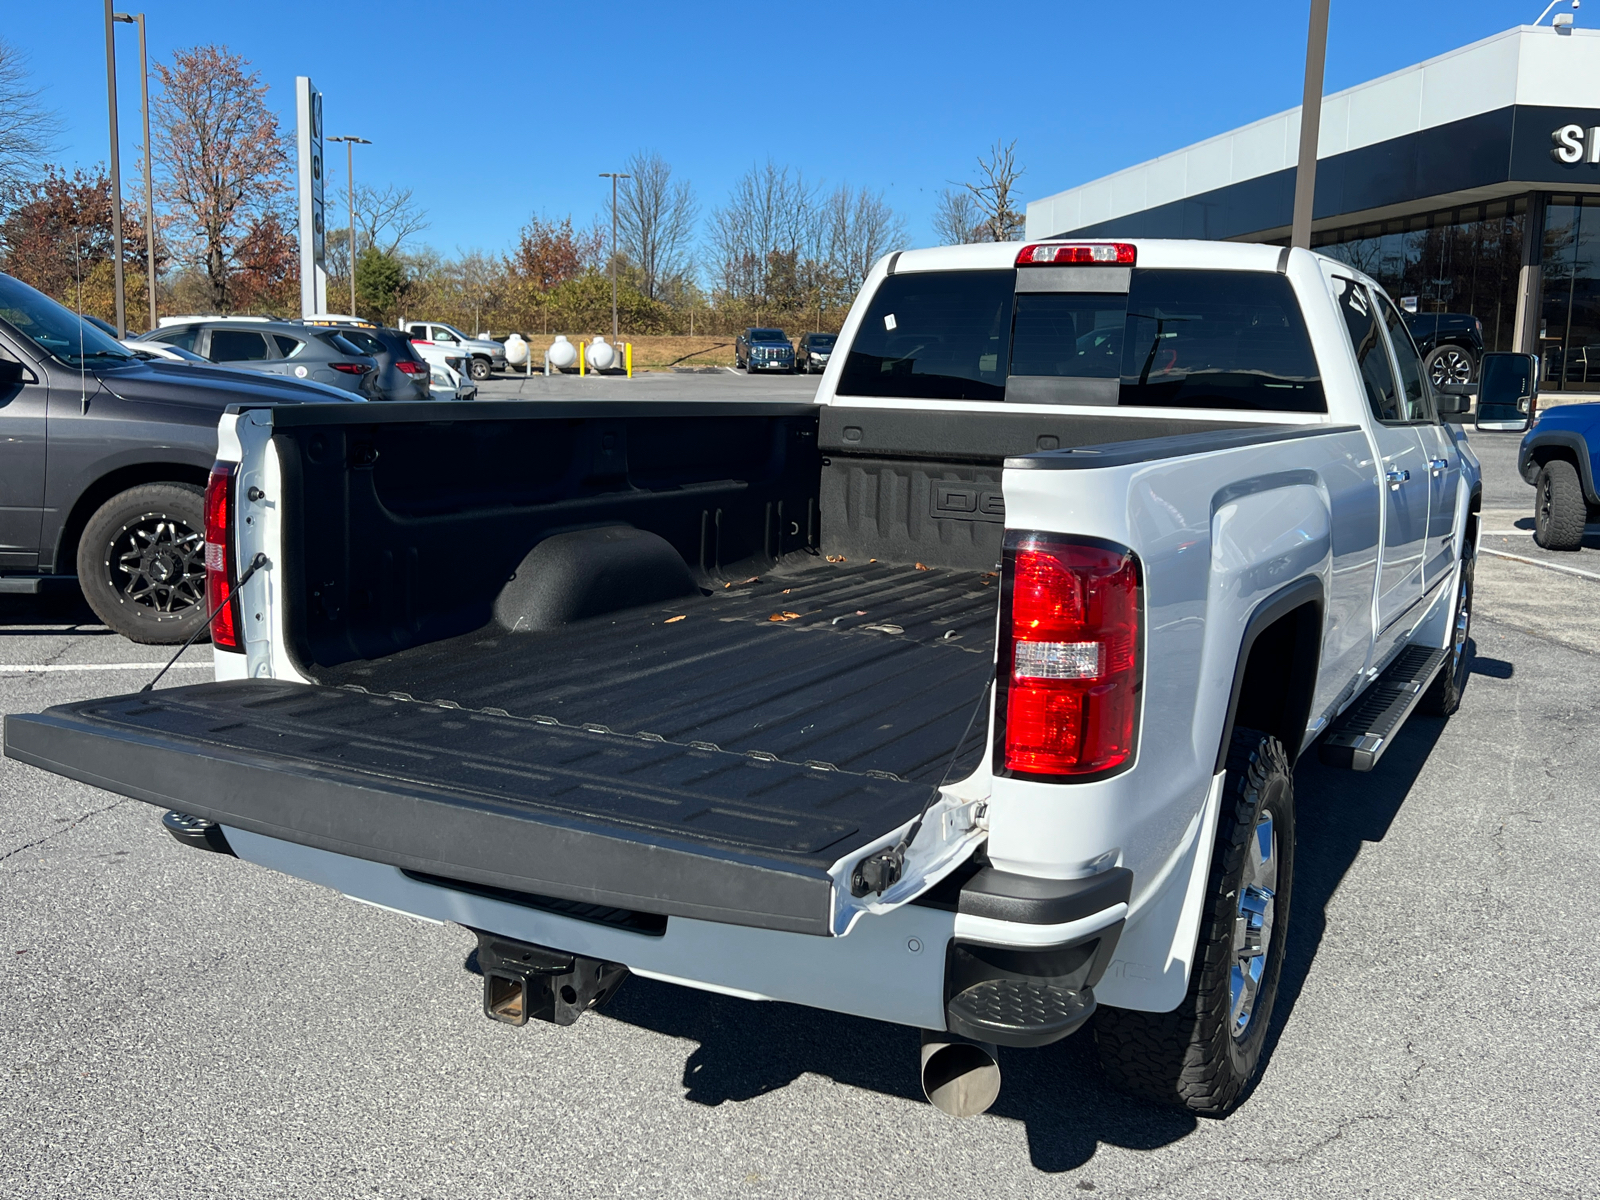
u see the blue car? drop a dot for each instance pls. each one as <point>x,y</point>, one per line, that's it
<point>1560,457</point>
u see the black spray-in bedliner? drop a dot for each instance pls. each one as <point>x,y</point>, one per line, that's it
<point>879,670</point>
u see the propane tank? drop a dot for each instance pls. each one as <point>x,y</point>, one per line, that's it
<point>562,353</point>
<point>516,350</point>
<point>601,356</point>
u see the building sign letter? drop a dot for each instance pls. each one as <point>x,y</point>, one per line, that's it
<point>1568,146</point>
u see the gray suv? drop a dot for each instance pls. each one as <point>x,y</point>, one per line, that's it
<point>277,348</point>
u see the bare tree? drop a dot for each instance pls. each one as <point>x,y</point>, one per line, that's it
<point>857,228</point>
<point>387,218</point>
<point>995,193</point>
<point>27,129</point>
<point>767,225</point>
<point>655,217</point>
<point>223,160</point>
<point>955,218</point>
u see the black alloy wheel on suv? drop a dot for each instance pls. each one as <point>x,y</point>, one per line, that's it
<point>142,562</point>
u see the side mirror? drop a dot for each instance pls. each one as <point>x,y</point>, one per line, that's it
<point>1508,387</point>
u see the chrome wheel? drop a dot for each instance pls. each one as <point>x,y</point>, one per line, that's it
<point>159,564</point>
<point>1252,925</point>
<point>1450,365</point>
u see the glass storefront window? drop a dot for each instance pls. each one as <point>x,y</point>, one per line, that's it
<point>1460,260</point>
<point>1569,310</point>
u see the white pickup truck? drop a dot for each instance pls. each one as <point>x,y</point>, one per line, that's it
<point>966,698</point>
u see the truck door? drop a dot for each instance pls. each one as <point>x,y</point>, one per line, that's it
<point>22,459</point>
<point>1443,457</point>
<point>1402,467</point>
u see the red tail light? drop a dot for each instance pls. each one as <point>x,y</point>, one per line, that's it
<point>1093,253</point>
<point>351,368</point>
<point>1068,702</point>
<point>219,557</point>
<point>412,368</point>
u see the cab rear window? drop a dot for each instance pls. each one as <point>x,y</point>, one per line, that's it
<point>1176,339</point>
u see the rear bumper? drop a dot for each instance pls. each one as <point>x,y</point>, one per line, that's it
<point>897,966</point>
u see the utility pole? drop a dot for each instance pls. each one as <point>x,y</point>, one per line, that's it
<point>350,144</point>
<point>116,174</point>
<point>614,176</point>
<point>1305,175</point>
<point>149,187</point>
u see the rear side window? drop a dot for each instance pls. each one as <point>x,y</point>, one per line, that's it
<point>1413,394</point>
<point>182,337</point>
<point>238,345</point>
<point>287,346</point>
<point>1218,339</point>
<point>1361,324</point>
<point>936,335</point>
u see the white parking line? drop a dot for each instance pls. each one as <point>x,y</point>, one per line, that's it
<point>1534,562</point>
<point>31,669</point>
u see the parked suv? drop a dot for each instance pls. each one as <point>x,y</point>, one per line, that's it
<point>811,352</point>
<point>764,350</point>
<point>402,374</point>
<point>1451,345</point>
<point>104,458</point>
<point>483,355</point>
<point>277,348</point>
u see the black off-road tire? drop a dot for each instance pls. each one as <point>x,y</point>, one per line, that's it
<point>1189,1058</point>
<point>1443,696</point>
<point>1559,510</point>
<point>480,369</point>
<point>160,600</point>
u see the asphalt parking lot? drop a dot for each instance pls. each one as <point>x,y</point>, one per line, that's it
<point>179,1024</point>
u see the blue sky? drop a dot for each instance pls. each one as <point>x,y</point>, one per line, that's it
<point>508,109</point>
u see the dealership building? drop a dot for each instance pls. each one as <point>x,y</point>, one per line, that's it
<point>1468,183</point>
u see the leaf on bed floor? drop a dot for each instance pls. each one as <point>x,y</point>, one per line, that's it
<point>836,558</point>
<point>784,616</point>
<point>679,617</point>
<point>920,567</point>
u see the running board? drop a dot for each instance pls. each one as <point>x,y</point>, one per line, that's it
<point>1367,728</point>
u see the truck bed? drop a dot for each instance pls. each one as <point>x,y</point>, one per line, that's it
<point>760,753</point>
<point>870,668</point>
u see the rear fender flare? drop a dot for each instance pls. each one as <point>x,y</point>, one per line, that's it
<point>1529,460</point>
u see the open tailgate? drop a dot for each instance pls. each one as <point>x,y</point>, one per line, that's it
<point>580,814</point>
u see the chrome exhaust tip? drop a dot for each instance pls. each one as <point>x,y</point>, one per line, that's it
<point>960,1077</point>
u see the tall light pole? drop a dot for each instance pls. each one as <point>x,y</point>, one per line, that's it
<point>350,144</point>
<point>614,176</point>
<point>116,172</point>
<point>1305,174</point>
<point>149,197</point>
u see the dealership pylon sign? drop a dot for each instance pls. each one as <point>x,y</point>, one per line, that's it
<point>313,228</point>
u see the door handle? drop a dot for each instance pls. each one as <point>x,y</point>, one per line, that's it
<point>1438,465</point>
<point>1396,477</point>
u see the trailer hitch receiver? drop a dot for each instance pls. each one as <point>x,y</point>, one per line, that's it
<point>523,981</point>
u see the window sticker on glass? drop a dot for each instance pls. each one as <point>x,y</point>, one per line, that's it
<point>888,321</point>
<point>988,362</point>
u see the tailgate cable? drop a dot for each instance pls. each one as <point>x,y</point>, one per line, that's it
<point>878,872</point>
<point>256,563</point>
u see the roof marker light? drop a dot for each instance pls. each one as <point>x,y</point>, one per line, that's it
<point>1077,253</point>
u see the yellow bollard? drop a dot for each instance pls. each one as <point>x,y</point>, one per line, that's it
<point>627,354</point>
<point>581,345</point>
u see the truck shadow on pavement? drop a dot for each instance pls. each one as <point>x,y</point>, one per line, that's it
<point>1057,1093</point>
<point>22,616</point>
